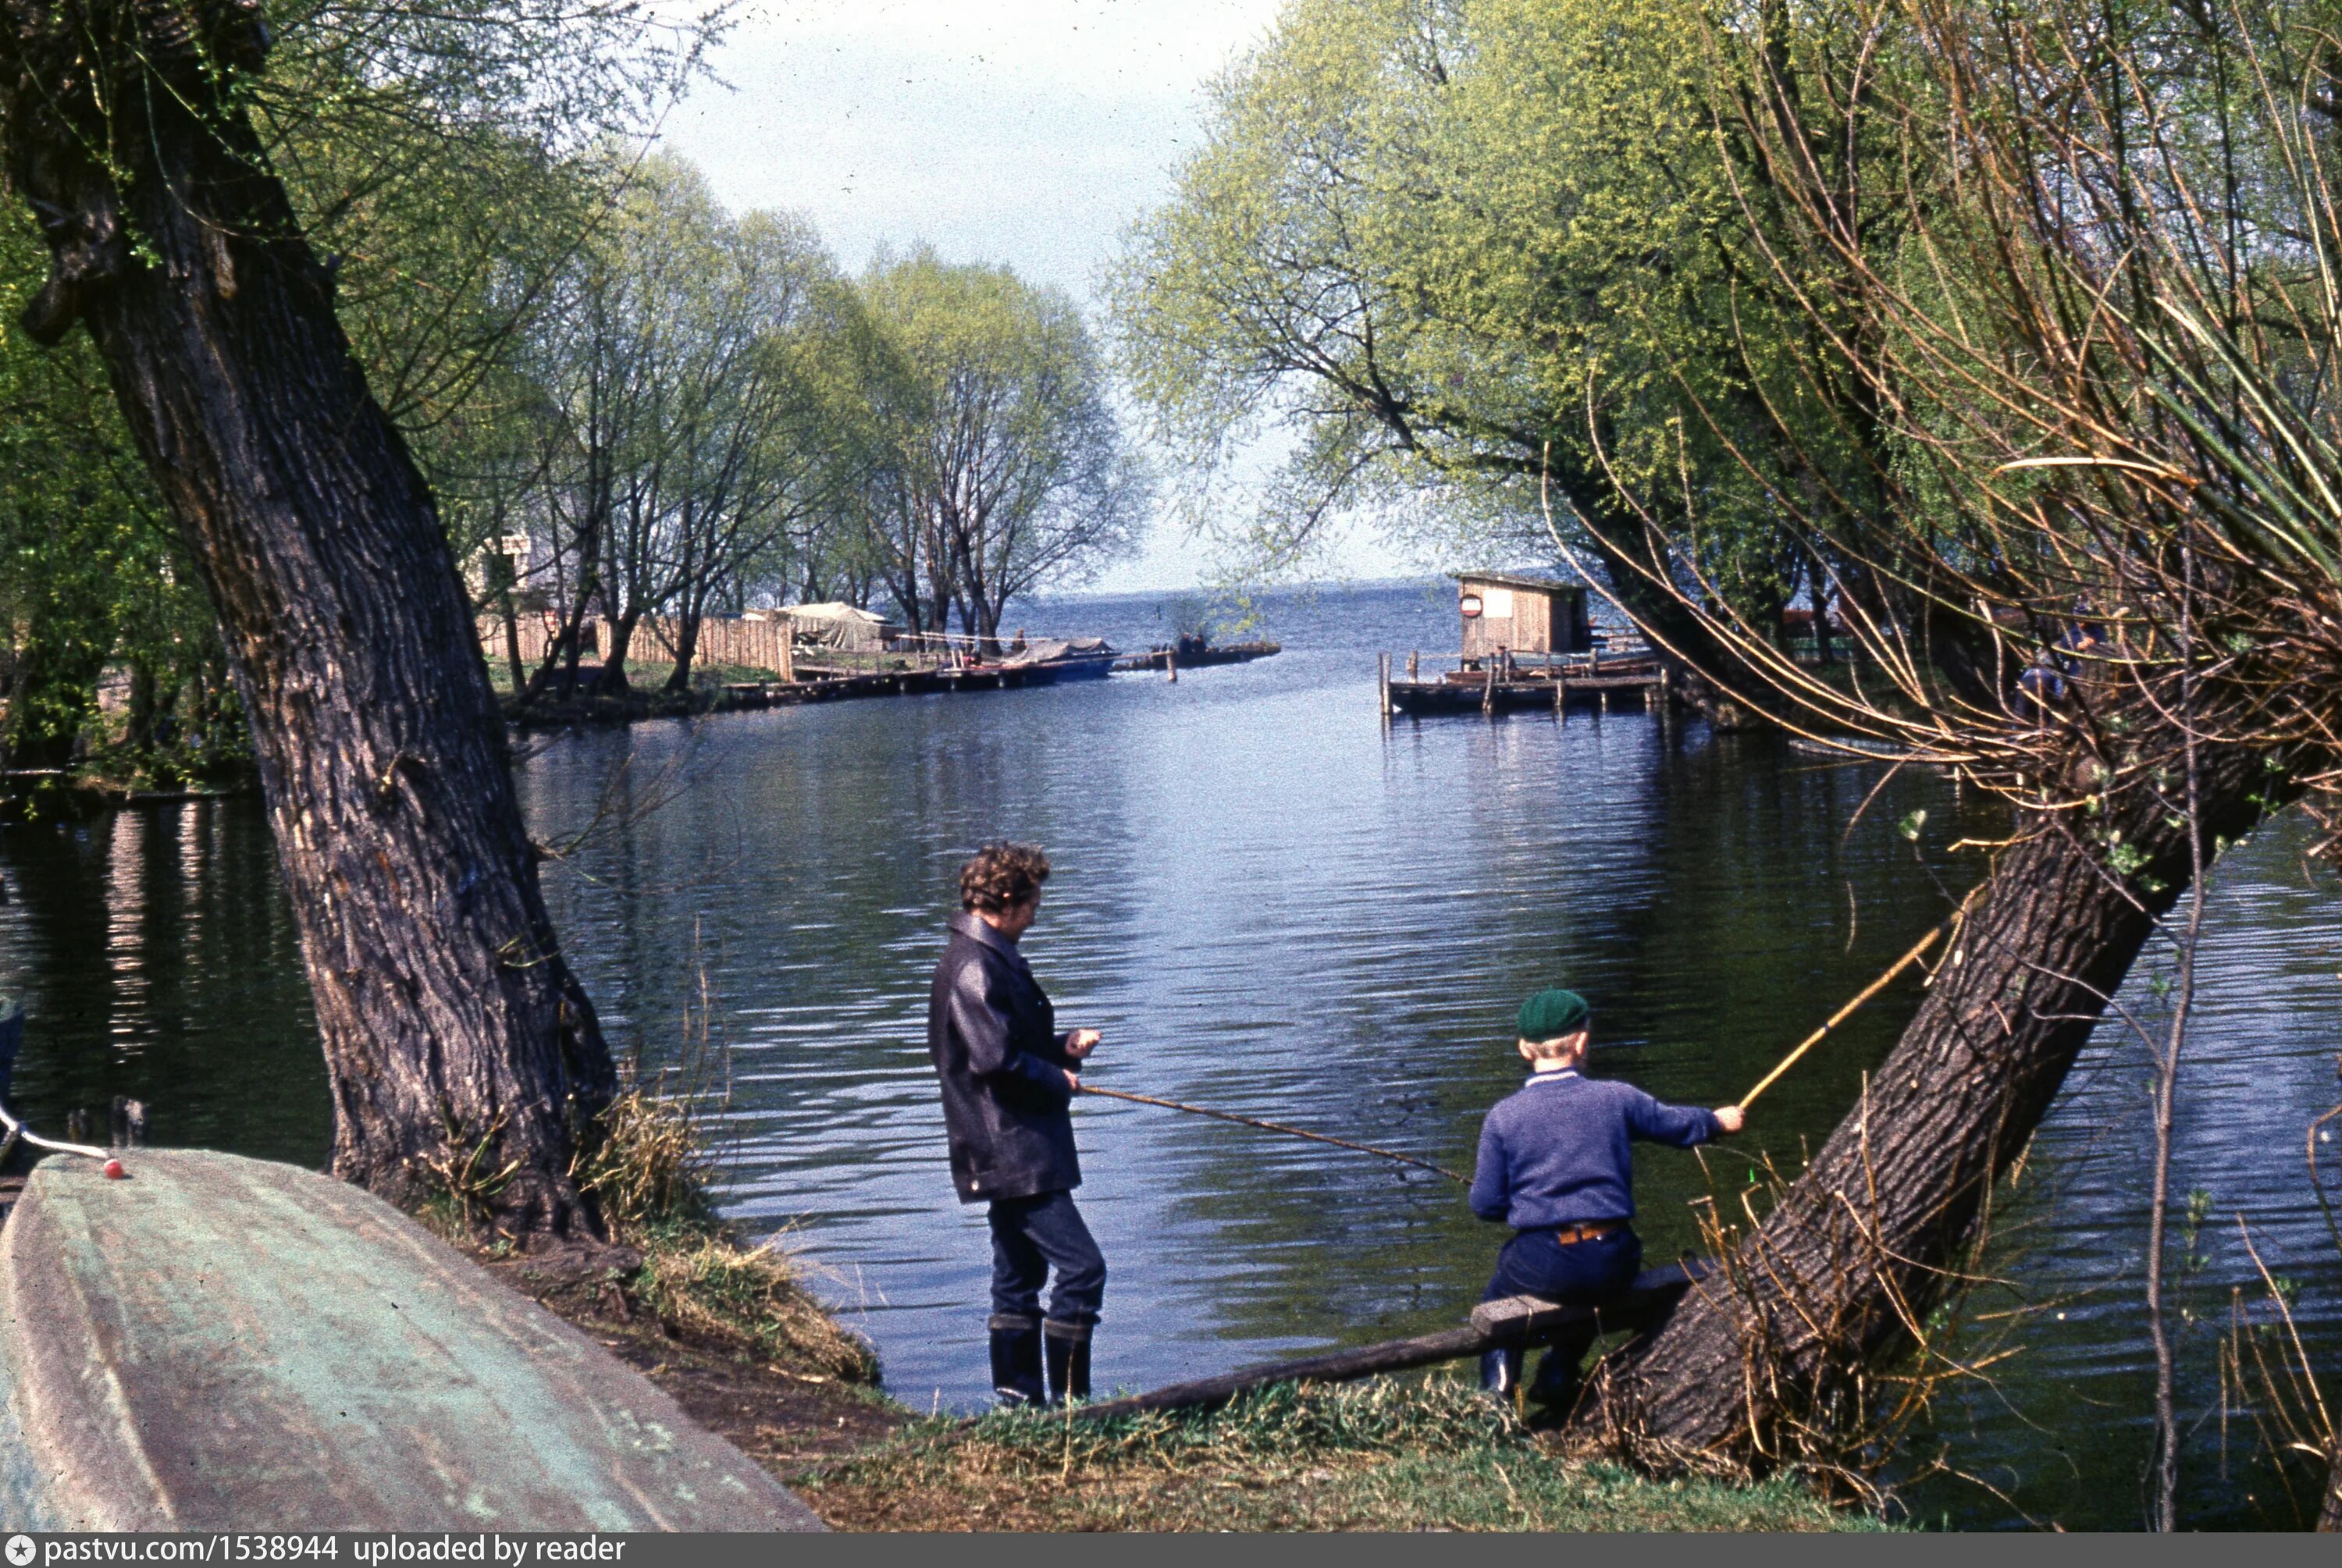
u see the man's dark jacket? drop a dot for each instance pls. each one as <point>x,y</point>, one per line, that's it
<point>992,1035</point>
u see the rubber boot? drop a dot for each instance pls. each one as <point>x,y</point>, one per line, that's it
<point>1557,1381</point>
<point>1067,1345</point>
<point>1016,1359</point>
<point>1500,1370</point>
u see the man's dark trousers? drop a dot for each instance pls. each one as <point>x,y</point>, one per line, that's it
<point>1029,1237</point>
<point>1585,1272</point>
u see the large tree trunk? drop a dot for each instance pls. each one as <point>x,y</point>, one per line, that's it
<point>1859,1247</point>
<point>464,1056</point>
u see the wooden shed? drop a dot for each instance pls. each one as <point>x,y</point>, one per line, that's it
<point>1522,614</point>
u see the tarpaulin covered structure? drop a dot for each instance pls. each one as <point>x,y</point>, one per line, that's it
<point>840,626</point>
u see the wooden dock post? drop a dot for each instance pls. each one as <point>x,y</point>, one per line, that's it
<point>1415,664</point>
<point>1382,681</point>
<point>789,660</point>
<point>1488,691</point>
<point>1171,672</point>
<point>1560,696</point>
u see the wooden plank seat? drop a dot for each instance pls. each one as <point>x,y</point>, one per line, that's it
<point>1515,1319</point>
<point>218,1344</point>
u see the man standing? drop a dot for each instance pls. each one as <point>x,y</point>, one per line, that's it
<point>1008,1077</point>
<point>1555,1165</point>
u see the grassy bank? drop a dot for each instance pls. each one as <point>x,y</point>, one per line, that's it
<point>1400,1453</point>
<point>735,1334</point>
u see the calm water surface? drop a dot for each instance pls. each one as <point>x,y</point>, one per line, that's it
<point>1273,902</point>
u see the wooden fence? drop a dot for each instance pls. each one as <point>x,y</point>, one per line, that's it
<point>752,645</point>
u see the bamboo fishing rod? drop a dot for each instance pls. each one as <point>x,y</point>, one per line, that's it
<point>1277,1127</point>
<point>1918,951</point>
<point>1843,1013</point>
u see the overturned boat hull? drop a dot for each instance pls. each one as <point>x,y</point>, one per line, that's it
<point>217,1343</point>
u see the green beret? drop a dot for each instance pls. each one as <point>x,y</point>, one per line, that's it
<point>1550,1015</point>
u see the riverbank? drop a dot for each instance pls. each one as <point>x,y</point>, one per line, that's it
<point>1392,1453</point>
<point>736,1336</point>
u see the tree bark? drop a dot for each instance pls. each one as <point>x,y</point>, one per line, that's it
<point>612,681</point>
<point>686,648</point>
<point>139,731</point>
<point>465,1058</point>
<point>1859,1245</point>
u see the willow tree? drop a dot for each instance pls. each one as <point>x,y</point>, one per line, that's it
<point>2016,332</point>
<point>2103,351</point>
<point>1006,468</point>
<point>1418,233</point>
<point>464,1057</point>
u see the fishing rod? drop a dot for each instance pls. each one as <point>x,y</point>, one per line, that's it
<point>1841,1015</point>
<point>1918,951</point>
<point>1951,923</point>
<point>1276,1127</point>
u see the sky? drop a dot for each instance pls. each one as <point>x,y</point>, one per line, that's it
<point>1029,131</point>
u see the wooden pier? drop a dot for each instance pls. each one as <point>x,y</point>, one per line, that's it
<point>1492,685</point>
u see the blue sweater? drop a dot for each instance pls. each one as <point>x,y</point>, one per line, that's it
<point>1556,1152</point>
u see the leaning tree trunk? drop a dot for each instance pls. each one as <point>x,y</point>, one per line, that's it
<point>464,1056</point>
<point>1765,1363</point>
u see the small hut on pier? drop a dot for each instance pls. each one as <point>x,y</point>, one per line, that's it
<point>1522,615</point>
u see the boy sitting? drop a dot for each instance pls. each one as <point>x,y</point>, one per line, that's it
<point>1556,1166</point>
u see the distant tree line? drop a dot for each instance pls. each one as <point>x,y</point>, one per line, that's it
<point>710,415</point>
<point>684,412</point>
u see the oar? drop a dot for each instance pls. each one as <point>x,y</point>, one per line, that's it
<point>1277,1127</point>
<point>1843,1013</point>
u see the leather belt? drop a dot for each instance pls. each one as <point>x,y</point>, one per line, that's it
<point>1570,1235</point>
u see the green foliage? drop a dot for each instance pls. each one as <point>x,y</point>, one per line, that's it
<point>88,572</point>
<point>1456,249</point>
<point>1004,468</point>
<point>698,425</point>
<point>443,159</point>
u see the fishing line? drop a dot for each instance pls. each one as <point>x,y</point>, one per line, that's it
<point>1918,951</point>
<point>1276,1127</point>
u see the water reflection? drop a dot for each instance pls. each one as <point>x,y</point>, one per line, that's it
<point>1271,903</point>
<point>158,960</point>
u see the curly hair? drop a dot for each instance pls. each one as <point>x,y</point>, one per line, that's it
<point>1003,875</point>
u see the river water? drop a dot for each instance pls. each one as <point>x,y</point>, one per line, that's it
<point>1274,903</point>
